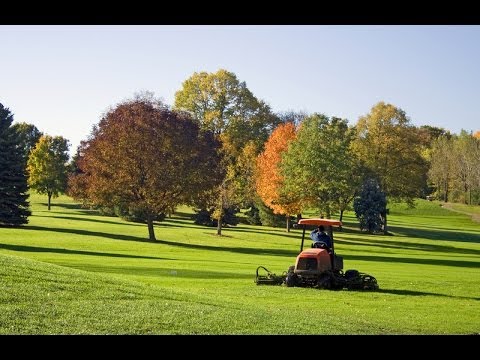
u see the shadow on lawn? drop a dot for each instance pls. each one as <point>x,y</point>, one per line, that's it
<point>92,220</point>
<point>77,207</point>
<point>409,246</point>
<point>88,233</point>
<point>421,293</point>
<point>444,235</point>
<point>74,252</point>
<point>408,260</point>
<point>240,250</point>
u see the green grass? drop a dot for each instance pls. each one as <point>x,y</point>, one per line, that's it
<point>70,271</point>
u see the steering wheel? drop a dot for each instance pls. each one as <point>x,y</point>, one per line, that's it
<point>320,245</point>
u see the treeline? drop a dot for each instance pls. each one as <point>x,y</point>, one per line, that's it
<point>219,149</point>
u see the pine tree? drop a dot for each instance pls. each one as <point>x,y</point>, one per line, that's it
<point>370,206</point>
<point>14,207</point>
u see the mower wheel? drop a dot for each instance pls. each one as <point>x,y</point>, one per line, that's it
<point>291,279</point>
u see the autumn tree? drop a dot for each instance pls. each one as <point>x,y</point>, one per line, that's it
<point>47,166</point>
<point>148,159</point>
<point>391,148</point>
<point>28,137</point>
<point>477,134</point>
<point>224,105</point>
<point>318,163</point>
<point>77,178</point>
<point>269,180</point>
<point>14,206</point>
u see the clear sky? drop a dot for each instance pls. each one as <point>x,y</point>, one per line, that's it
<point>62,78</point>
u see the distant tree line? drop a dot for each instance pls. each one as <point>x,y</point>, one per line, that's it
<point>220,149</point>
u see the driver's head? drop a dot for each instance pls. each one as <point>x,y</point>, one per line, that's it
<point>321,228</point>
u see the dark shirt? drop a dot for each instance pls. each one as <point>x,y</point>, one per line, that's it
<point>317,236</point>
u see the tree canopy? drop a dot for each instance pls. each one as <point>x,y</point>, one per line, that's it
<point>318,162</point>
<point>47,166</point>
<point>269,181</point>
<point>28,137</point>
<point>146,158</point>
<point>390,148</point>
<point>224,105</point>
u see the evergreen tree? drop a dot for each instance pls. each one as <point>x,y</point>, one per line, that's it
<point>14,207</point>
<point>370,206</point>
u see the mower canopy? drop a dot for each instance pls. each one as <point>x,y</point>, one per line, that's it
<point>318,222</point>
<point>329,223</point>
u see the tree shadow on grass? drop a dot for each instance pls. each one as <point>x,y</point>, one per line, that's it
<point>75,252</point>
<point>89,233</point>
<point>408,260</point>
<point>421,293</point>
<point>410,246</point>
<point>240,250</point>
<point>445,235</point>
<point>77,207</point>
<point>256,251</point>
<point>89,219</point>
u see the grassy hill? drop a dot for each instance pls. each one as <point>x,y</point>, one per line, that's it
<point>72,271</point>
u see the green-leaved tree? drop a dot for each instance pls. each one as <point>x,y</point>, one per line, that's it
<point>48,166</point>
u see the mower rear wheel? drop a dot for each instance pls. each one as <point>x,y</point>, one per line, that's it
<point>291,279</point>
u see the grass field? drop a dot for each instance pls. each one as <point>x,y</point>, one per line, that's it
<point>71,271</point>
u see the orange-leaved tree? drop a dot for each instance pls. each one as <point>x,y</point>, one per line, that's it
<point>269,181</point>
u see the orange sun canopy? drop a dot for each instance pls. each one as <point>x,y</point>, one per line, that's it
<point>318,222</point>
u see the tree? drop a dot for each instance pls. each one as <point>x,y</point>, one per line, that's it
<point>318,163</point>
<point>477,134</point>
<point>269,181</point>
<point>77,179</point>
<point>370,206</point>
<point>148,159</point>
<point>14,206</point>
<point>225,106</point>
<point>47,166</point>
<point>28,138</point>
<point>244,177</point>
<point>466,150</point>
<point>441,172</point>
<point>391,148</point>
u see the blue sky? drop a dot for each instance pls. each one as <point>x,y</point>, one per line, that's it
<point>62,78</point>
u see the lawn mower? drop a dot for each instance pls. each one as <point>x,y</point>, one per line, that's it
<point>318,267</point>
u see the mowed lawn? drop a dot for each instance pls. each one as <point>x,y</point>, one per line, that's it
<point>71,271</point>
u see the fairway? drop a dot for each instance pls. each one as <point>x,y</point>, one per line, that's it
<point>72,271</point>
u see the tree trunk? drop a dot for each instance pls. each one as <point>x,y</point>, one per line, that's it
<point>385,228</point>
<point>151,232</point>
<point>446,191</point>
<point>341,218</point>
<point>288,223</point>
<point>49,194</point>
<point>219,222</point>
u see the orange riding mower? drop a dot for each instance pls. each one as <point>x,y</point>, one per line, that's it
<point>318,267</point>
